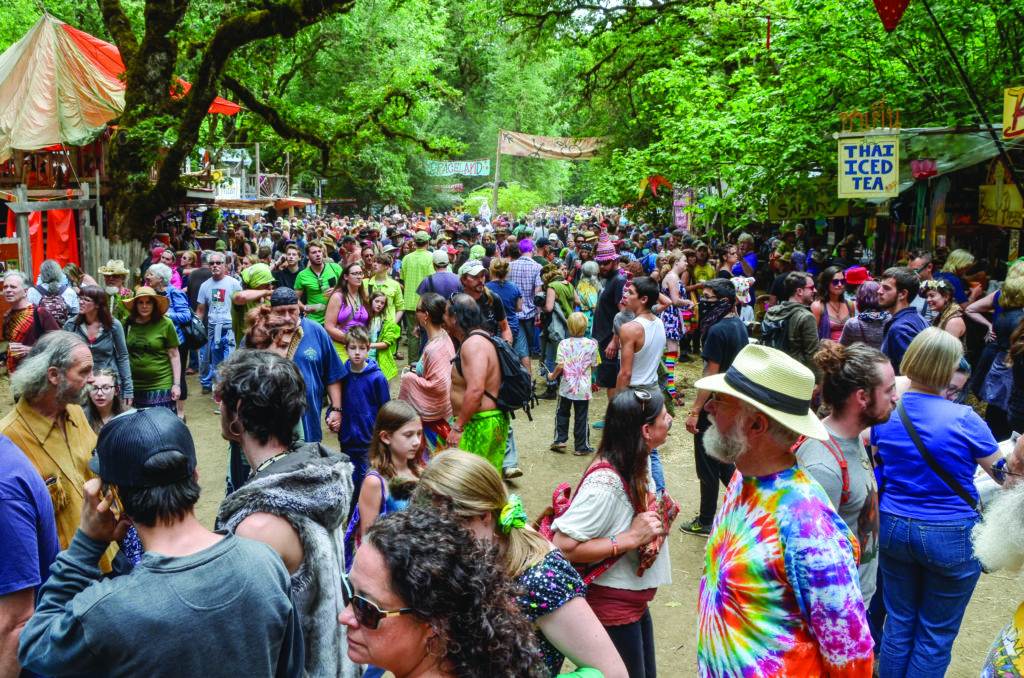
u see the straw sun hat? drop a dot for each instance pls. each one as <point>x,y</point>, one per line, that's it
<point>774,383</point>
<point>159,301</point>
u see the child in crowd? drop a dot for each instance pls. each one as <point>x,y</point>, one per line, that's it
<point>574,361</point>
<point>395,454</point>
<point>384,335</point>
<point>364,390</point>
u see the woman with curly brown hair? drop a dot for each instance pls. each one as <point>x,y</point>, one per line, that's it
<point>426,599</point>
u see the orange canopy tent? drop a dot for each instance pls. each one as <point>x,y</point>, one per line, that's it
<point>60,85</point>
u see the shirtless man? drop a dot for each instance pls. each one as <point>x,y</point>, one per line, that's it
<point>480,427</point>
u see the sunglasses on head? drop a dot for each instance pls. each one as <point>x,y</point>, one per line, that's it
<point>366,612</point>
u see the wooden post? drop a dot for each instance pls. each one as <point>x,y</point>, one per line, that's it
<point>86,254</point>
<point>100,226</point>
<point>257,170</point>
<point>497,176</point>
<point>21,196</point>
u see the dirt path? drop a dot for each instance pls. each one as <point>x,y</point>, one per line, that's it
<point>674,608</point>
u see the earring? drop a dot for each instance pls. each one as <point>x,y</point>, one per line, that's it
<point>232,431</point>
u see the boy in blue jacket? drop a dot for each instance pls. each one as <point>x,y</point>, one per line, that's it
<point>364,390</point>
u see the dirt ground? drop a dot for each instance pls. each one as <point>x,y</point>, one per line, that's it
<point>674,608</point>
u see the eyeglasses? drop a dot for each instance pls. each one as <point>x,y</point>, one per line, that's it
<point>366,612</point>
<point>838,282</point>
<point>106,388</point>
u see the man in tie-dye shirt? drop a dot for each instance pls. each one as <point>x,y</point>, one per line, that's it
<point>780,595</point>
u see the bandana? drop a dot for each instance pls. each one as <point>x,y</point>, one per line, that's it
<point>711,312</point>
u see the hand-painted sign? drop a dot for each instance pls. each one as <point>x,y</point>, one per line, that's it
<point>1013,112</point>
<point>682,198</point>
<point>553,148</point>
<point>448,188</point>
<point>467,168</point>
<point>869,167</point>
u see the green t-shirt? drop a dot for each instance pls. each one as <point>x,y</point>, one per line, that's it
<point>391,289</point>
<point>416,266</point>
<point>311,287</point>
<point>147,354</point>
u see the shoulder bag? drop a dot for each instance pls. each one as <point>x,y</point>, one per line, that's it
<point>933,463</point>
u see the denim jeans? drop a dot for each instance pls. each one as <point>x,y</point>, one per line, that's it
<point>217,352</point>
<point>511,451</point>
<point>657,471</point>
<point>930,572</point>
<point>580,426</point>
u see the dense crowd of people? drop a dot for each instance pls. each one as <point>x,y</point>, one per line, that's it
<point>850,412</point>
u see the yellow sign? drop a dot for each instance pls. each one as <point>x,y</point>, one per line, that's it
<point>811,202</point>
<point>869,167</point>
<point>1000,205</point>
<point>1013,112</point>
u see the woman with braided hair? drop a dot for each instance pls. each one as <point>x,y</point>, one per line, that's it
<point>426,599</point>
<point>551,590</point>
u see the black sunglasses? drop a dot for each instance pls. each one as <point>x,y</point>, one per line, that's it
<point>366,612</point>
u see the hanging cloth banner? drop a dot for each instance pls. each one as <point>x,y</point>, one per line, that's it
<point>61,239</point>
<point>552,148</point>
<point>466,168</point>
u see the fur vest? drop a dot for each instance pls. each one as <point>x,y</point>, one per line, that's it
<point>311,488</point>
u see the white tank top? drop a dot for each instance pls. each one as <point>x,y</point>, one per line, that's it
<point>647,359</point>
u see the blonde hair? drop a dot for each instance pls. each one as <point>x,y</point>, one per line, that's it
<point>577,323</point>
<point>1012,294</point>
<point>957,261</point>
<point>932,357</point>
<point>499,268</point>
<point>468,486</point>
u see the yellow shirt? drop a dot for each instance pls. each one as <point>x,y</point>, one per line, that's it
<point>62,461</point>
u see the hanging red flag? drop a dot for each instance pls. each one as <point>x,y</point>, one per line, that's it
<point>891,12</point>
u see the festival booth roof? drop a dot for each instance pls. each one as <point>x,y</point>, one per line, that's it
<point>59,85</point>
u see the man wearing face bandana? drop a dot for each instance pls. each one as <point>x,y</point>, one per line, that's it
<point>723,336</point>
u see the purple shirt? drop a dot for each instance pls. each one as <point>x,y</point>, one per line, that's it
<point>444,283</point>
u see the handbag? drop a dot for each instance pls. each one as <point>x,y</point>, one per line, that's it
<point>667,510</point>
<point>194,332</point>
<point>933,463</point>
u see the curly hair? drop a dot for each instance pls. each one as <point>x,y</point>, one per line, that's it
<point>266,391</point>
<point>457,586</point>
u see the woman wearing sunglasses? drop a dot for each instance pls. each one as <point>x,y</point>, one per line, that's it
<point>610,527</point>
<point>551,590</point>
<point>425,599</point>
<point>831,310</point>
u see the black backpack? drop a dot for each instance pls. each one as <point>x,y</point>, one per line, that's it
<point>774,333</point>
<point>516,390</point>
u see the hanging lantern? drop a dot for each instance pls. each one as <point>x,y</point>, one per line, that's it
<point>891,12</point>
<point>923,169</point>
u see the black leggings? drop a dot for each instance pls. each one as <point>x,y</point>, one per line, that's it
<point>635,643</point>
<point>710,472</point>
<point>183,361</point>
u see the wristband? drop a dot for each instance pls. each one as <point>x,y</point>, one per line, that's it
<point>615,546</point>
<point>457,428</point>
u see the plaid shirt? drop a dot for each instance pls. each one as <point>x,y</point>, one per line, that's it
<point>524,273</point>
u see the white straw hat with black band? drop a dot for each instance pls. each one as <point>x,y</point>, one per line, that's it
<point>774,383</point>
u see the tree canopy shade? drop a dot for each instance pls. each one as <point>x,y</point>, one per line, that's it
<point>362,92</point>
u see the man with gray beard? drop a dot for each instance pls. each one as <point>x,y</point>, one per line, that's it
<point>49,426</point>
<point>780,593</point>
<point>999,545</point>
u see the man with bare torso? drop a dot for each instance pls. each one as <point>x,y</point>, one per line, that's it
<point>479,427</point>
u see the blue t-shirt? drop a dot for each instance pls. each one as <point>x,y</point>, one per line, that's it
<point>28,533</point>
<point>955,435</point>
<point>444,283</point>
<point>320,365</point>
<point>751,258</point>
<point>509,295</point>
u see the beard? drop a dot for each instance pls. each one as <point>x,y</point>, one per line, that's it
<point>876,412</point>
<point>68,394</point>
<point>726,448</point>
<point>999,538</point>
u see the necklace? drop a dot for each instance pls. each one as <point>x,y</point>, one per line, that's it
<point>266,463</point>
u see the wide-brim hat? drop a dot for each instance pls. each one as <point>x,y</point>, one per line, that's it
<point>774,383</point>
<point>114,267</point>
<point>160,301</point>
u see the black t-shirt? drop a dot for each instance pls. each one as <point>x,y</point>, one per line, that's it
<point>493,312</point>
<point>778,289</point>
<point>725,340</point>
<point>285,278</point>
<point>607,307</point>
<point>195,280</point>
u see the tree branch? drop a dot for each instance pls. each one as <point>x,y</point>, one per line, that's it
<point>120,28</point>
<point>277,121</point>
